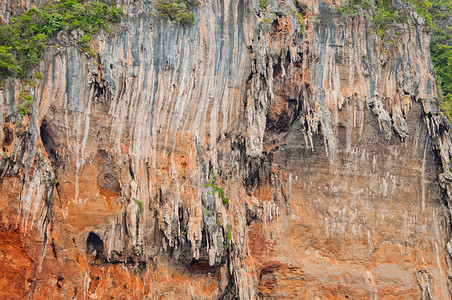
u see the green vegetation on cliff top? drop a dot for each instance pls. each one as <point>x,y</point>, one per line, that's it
<point>437,15</point>
<point>177,11</point>
<point>22,42</point>
<point>441,50</point>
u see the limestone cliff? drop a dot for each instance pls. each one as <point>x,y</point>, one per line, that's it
<point>327,142</point>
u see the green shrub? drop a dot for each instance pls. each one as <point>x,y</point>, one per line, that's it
<point>25,103</point>
<point>267,19</point>
<point>384,23</point>
<point>85,39</point>
<point>22,42</point>
<point>169,10</point>
<point>422,8</point>
<point>8,63</point>
<point>177,11</point>
<point>185,18</point>
<point>351,8</point>
<point>442,61</point>
<point>441,51</point>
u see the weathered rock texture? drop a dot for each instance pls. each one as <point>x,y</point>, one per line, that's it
<point>329,146</point>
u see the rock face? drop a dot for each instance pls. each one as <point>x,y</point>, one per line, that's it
<point>239,158</point>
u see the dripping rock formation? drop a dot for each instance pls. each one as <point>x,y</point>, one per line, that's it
<point>246,156</point>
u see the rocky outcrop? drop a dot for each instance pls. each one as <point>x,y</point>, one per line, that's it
<point>244,157</point>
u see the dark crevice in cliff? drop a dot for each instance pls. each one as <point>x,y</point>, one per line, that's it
<point>281,121</point>
<point>252,174</point>
<point>229,292</point>
<point>95,249</point>
<point>51,142</point>
<point>201,265</point>
<point>54,252</point>
<point>9,137</point>
<point>94,244</point>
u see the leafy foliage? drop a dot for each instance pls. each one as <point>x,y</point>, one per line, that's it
<point>22,42</point>
<point>229,233</point>
<point>384,23</point>
<point>442,61</point>
<point>384,20</point>
<point>25,103</point>
<point>263,4</point>
<point>37,75</point>
<point>423,7</point>
<point>351,8</point>
<point>268,19</point>
<point>300,20</point>
<point>441,51</point>
<point>8,63</point>
<point>177,11</point>
<point>217,189</point>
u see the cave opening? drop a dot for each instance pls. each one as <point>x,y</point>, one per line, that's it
<point>94,244</point>
<point>49,140</point>
<point>9,138</point>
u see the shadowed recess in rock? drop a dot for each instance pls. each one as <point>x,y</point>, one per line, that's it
<point>94,244</point>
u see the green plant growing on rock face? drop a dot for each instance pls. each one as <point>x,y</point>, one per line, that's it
<point>229,233</point>
<point>177,11</point>
<point>25,103</point>
<point>351,8</point>
<point>22,42</point>
<point>268,19</point>
<point>8,63</point>
<point>442,61</point>
<point>263,4</point>
<point>55,180</point>
<point>441,51</point>
<point>298,13</point>
<point>217,189</point>
<point>385,18</point>
<point>139,203</point>
<point>37,75</point>
<point>386,22</point>
<point>299,18</point>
